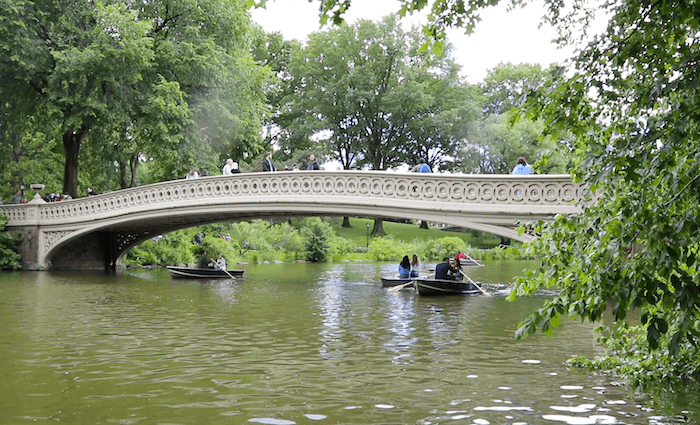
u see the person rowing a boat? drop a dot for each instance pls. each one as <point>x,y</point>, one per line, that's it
<point>220,263</point>
<point>442,270</point>
<point>203,262</point>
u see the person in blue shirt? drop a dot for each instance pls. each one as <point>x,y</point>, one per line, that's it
<point>522,168</point>
<point>421,167</point>
<point>405,268</point>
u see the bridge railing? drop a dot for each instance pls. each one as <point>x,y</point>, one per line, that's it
<point>483,189</point>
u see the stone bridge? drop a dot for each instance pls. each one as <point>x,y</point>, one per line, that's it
<point>95,232</point>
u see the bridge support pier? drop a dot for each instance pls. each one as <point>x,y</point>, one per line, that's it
<point>29,247</point>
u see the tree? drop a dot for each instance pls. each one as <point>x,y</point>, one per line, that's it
<point>146,80</point>
<point>630,98</point>
<point>506,86</point>
<point>374,98</point>
<point>317,236</point>
<point>33,158</point>
<point>502,136</point>
<point>272,51</point>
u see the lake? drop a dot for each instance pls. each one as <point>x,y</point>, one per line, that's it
<point>295,344</point>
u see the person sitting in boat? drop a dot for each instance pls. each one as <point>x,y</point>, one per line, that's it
<point>457,270</point>
<point>416,266</point>
<point>442,270</point>
<point>220,262</point>
<point>203,262</point>
<point>404,268</point>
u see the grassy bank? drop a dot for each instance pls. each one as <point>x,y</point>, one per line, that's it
<point>357,234</point>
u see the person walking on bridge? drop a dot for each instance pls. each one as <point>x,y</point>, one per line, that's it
<point>522,168</point>
<point>193,174</point>
<point>267,163</point>
<point>228,167</point>
<point>312,164</point>
<point>421,167</point>
<point>16,198</point>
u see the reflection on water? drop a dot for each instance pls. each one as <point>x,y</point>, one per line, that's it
<point>290,344</point>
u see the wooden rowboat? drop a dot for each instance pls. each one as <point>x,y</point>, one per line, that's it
<point>195,273</point>
<point>435,287</point>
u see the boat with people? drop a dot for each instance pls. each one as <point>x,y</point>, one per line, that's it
<point>199,273</point>
<point>469,262</point>
<point>436,287</point>
<point>465,260</point>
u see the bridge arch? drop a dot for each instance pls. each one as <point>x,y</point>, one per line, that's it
<point>96,232</point>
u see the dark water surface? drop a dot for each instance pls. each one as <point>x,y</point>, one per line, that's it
<point>291,344</point>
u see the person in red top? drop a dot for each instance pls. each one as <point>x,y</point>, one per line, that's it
<point>460,255</point>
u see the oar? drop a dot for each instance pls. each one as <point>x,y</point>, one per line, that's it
<point>229,274</point>
<point>471,259</point>
<point>475,284</point>
<point>399,287</point>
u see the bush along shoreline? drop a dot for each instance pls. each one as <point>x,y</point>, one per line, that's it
<point>308,239</point>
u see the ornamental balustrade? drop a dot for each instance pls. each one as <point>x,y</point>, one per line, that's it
<point>486,190</point>
<point>483,202</point>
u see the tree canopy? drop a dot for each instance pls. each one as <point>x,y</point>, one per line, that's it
<point>502,136</point>
<point>375,99</point>
<point>166,80</point>
<point>630,98</point>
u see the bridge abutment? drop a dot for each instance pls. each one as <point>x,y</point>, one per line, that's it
<point>29,247</point>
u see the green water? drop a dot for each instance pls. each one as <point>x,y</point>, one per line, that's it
<point>291,344</point>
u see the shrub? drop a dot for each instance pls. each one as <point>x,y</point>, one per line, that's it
<point>317,239</point>
<point>214,245</point>
<point>340,247</point>
<point>9,258</point>
<point>436,249</point>
<point>171,248</point>
<point>142,255</point>
<point>389,249</point>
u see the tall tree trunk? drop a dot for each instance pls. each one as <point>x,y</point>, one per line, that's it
<point>71,144</point>
<point>134,163</point>
<point>122,175</point>
<point>346,222</point>
<point>378,229</point>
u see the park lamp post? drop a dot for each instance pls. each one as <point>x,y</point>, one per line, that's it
<point>367,235</point>
<point>22,187</point>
